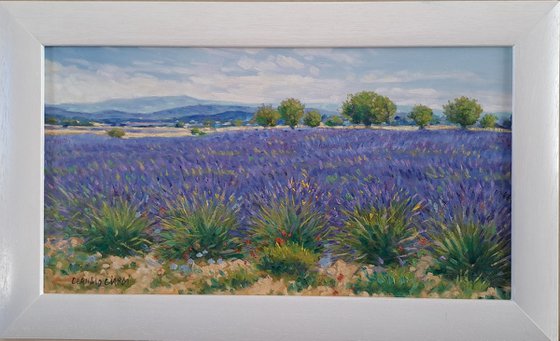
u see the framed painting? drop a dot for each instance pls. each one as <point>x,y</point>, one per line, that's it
<point>342,182</point>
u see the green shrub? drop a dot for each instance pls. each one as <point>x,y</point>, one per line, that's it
<point>228,281</point>
<point>379,235</point>
<point>115,230</point>
<point>179,124</point>
<point>334,121</point>
<point>266,116</point>
<point>197,131</point>
<point>51,120</point>
<point>312,118</point>
<point>290,221</point>
<point>291,260</point>
<point>468,287</point>
<point>200,229</point>
<point>116,132</point>
<point>467,250</point>
<point>398,282</point>
<point>311,279</point>
<point>488,121</point>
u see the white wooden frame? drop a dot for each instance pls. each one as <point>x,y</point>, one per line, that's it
<point>532,27</point>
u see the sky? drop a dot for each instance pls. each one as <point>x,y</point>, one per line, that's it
<point>408,76</point>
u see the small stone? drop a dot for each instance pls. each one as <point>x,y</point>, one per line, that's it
<point>106,266</point>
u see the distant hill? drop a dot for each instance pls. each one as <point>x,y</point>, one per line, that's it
<point>141,105</point>
<point>182,108</point>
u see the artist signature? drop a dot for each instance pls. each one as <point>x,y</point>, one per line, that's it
<point>99,282</point>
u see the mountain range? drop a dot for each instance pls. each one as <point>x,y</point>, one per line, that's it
<point>152,109</point>
<point>177,108</point>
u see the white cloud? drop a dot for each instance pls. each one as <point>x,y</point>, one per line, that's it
<point>289,62</point>
<point>314,71</point>
<point>405,76</point>
<point>339,56</point>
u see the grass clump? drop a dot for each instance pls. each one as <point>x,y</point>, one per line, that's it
<point>200,229</point>
<point>398,282</point>
<point>379,235</point>
<point>291,260</point>
<point>231,281</point>
<point>117,229</point>
<point>471,251</point>
<point>116,133</point>
<point>197,132</point>
<point>295,263</point>
<point>290,221</point>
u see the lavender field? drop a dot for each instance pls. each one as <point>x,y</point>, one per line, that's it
<point>442,176</point>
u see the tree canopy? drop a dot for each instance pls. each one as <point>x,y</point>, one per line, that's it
<point>266,116</point>
<point>369,108</point>
<point>421,115</point>
<point>291,111</point>
<point>463,111</point>
<point>312,118</point>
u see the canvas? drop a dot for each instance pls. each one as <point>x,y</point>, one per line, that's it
<point>337,172</point>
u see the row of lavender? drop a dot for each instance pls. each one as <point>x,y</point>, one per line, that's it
<point>447,170</point>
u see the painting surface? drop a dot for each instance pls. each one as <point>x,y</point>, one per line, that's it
<point>332,172</point>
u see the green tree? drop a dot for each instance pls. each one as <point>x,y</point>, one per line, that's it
<point>369,108</point>
<point>312,118</point>
<point>179,124</point>
<point>334,121</point>
<point>488,121</point>
<point>463,111</point>
<point>266,116</point>
<point>421,115</point>
<point>383,110</point>
<point>238,123</point>
<point>291,111</point>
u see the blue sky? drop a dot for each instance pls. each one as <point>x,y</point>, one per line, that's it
<point>409,76</point>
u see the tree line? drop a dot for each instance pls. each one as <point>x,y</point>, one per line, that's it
<point>369,108</point>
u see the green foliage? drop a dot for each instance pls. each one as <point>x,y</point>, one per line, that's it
<point>369,108</point>
<point>421,115</point>
<point>180,124</point>
<point>398,282</point>
<point>291,260</point>
<point>116,133</point>
<point>71,261</point>
<point>290,221</point>
<point>378,235</point>
<point>312,118</point>
<point>200,229</point>
<point>469,287</point>
<point>197,132</point>
<point>291,111</point>
<point>488,121</point>
<point>311,279</point>
<point>266,116</point>
<point>238,123</point>
<point>383,110</point>
<point>230,281</point>
<point>208,123</point>
<point>463,111</point>
<point>118,230</point>
<point>73,122</point>
<point>334,121</point>
<point>472,251</point>
<point>51,120</point>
